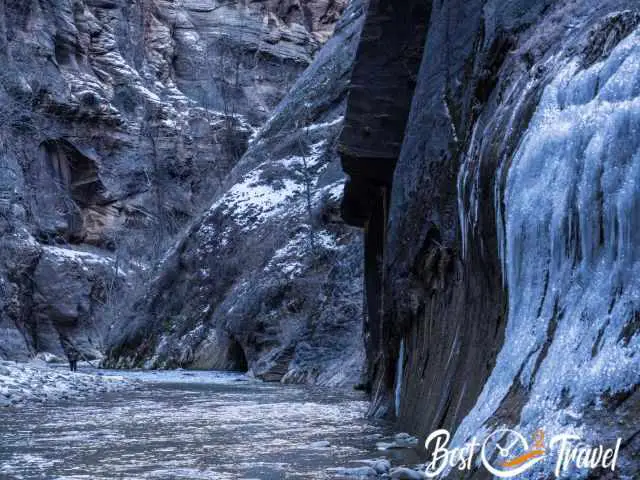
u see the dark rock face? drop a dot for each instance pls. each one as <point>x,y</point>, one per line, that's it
<point>490,306</point>
<point>384,75</point>
<point>269,278</point>
<point>68,286</point>
<point>119,122</point>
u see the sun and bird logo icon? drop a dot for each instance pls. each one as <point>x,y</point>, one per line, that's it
<point>515,455</point>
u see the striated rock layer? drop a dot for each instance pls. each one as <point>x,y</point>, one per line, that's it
<point>119,122</point>
<point>502,273</point>
<point>269,278</point>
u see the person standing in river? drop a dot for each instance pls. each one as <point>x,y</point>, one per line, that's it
<point>71,352</point>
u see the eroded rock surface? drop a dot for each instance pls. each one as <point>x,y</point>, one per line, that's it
<point>119,122</point>
<point>270,278</point>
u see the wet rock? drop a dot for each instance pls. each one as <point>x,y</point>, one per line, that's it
<point>380,466</point>
<point>402,473</point>
<point>400,440</point>
<point>403,439</point>
<point>353,472</point>
<point>320,444</point>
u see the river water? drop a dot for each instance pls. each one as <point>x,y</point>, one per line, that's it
<point>188,425</point>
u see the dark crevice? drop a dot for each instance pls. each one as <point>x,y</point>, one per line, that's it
<point>237,358</point>
<point>630,329</point>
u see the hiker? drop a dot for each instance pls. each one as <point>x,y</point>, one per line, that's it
<point>71,352</point>
<point>73,360</point>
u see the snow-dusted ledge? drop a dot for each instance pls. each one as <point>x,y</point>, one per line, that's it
<point>24,383</point>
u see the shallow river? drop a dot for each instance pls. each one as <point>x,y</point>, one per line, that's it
<point>183,425</point>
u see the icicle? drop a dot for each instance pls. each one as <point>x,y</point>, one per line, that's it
<point>399,375</point>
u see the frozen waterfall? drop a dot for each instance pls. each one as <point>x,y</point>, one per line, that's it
<point>399,378</point>
<point>571,250</point>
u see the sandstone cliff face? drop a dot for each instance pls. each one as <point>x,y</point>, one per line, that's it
<point>119,122</point>
<point>504,269</point>
<point>270,278</point>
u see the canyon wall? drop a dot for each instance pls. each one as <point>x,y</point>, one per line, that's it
<point>502,281</point>
<point>269,279</point>
<point>173,190</point>
<point>119,123</point>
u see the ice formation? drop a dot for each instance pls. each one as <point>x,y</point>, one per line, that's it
<point>571,247</point>
<point>399,376</point>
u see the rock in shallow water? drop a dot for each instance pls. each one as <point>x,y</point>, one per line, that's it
<point>320,444</point>
<point>402,473</point>
<point>353,472</point>
<point>380,466</point>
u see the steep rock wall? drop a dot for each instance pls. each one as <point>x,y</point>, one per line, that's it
<point>382,84</point>
<point>119,122</point>
<point>270,278</point>
<point>508,291</point>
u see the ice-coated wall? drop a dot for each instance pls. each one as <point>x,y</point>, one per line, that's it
<point>571,253</point>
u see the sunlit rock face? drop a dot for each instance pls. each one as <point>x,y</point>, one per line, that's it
<point>119,122</point>
<point>270,278</point>
<point>508,284</point>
